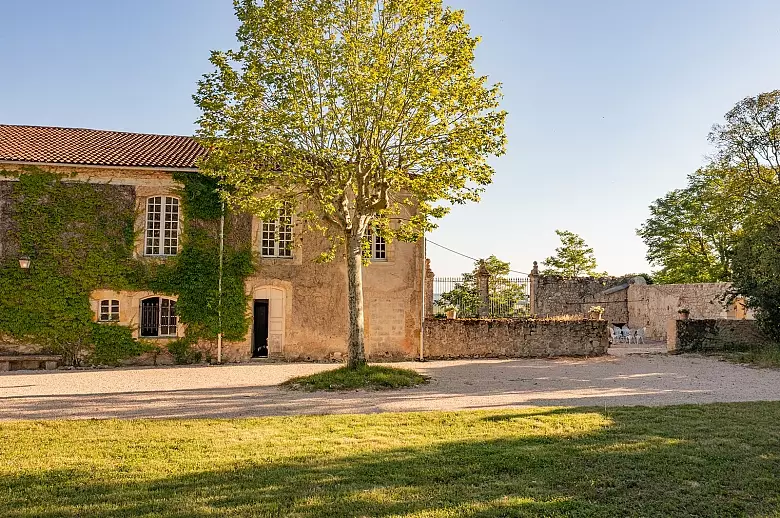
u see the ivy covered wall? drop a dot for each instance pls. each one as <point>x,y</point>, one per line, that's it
<point>80,237</point>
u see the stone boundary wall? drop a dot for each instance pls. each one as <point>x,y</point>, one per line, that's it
<point>713,335</point>
<point>652,306</point>
<point>508,338</point>
<point>556,296</point>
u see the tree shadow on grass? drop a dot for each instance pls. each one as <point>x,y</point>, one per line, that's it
<point>718,460</point>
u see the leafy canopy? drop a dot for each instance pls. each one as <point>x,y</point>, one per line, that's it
<point>357,111</point>
<point>691,232</point>
<point>572,259</point>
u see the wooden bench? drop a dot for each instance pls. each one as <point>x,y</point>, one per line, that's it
<point>29,361</point>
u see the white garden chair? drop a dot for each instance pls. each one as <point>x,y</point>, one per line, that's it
<point>612,336</point>
<point>625,333</point>
<point>640,335</point>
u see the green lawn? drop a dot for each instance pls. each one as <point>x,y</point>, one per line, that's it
<point>710,460</point>
<point>370,377</point>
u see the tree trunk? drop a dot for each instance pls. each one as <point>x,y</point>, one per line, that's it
<point>357,350</point>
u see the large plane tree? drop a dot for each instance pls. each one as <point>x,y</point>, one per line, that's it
<point>360,114</point>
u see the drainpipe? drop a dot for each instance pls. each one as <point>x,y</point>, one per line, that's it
<point>422,308</point>
<point>219,282</point>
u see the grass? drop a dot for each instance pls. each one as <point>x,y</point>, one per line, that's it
<point>766,356</point>
<point>370,377</point>
<point>704,460</point>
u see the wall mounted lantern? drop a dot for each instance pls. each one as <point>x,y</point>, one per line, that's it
<point>24,262</point>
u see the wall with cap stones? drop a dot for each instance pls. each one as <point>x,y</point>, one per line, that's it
<point>713,335</point>
<point>505,338</point>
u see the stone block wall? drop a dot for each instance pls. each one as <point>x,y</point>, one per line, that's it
<point>713,335</point>
<point>652,306</point>
<point>557,296</point>
<point>485,338</point>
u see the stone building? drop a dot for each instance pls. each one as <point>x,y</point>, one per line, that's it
<point>631,301</point>
<point>297,308</point>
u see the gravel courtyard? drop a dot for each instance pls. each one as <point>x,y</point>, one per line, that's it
<point>627,376</point>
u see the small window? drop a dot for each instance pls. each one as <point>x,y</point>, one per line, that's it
<point>109,310</point>
<point>162,226</point>
<point>378,245</point>
<point>277,235</point>
<point>158,317</point>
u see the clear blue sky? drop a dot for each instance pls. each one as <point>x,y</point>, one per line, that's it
<point>609,102</point>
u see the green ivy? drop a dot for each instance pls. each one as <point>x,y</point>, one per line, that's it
<point>80,237</point>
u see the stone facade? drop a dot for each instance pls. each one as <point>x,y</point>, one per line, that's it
<point>522,338</point>
<point>713,335</point>
<point>556,296</point>
<point>307,300</point>
<point>652,306</point>
<point>633,302</point>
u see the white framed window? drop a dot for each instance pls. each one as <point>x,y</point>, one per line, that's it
<point>162,226</point>
<point>109,310</point>
<point>158,317</point>
<point>277,235</point>
<point>378,245</point>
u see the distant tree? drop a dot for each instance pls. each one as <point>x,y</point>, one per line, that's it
<point>572,259</point>
<point>505,297</point>
<point>691,232</point>
<point>356,114</point>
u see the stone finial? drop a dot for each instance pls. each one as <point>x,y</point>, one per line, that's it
<point>535,269</point>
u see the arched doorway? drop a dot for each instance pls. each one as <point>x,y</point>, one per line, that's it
<point>267,321</point>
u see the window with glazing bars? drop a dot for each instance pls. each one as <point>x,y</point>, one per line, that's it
<point>109,310</point>
<point>378,245</point>
<point>158,317</point>
<point>277,238</point>
<point>162,226</point>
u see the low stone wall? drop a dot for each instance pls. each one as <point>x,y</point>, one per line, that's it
<point>484,338</point>
<point>713,335</point>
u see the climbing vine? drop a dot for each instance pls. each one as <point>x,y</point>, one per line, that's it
<point>80,237</point>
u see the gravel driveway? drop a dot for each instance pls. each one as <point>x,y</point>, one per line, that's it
<point>627,376</point>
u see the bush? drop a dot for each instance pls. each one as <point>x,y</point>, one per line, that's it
<point>183,352</point>
<point>756,266</point>
<point>113,343</point>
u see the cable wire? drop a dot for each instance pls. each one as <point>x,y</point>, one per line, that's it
<point>464,255</point>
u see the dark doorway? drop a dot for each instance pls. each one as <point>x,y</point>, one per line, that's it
<point>260,329</point>
<point>150,317</point>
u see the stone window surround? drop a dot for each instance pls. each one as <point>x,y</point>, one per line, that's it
<point>164,207</point>
<point>282,254</point>
<point>108,310</point>
<point>175,316</point>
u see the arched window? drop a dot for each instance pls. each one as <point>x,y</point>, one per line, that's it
<point>158,317</point>
<point>162,226</point>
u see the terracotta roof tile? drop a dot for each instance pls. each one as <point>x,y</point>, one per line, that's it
<point>96,147</point>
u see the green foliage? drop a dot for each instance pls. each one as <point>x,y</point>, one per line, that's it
<point>372,377</point>
<point>113,343</point>
<point>80,238</point>
<point>757,273</point>
<point>691,232</point>
<point>572,259</point>
<point>183,352</point>
<point>359,113</point>
<point>504,296</point>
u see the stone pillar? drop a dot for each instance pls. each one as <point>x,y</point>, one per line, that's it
<point>483,281</point>
<point>533,281</point>
<point>428,289</point>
